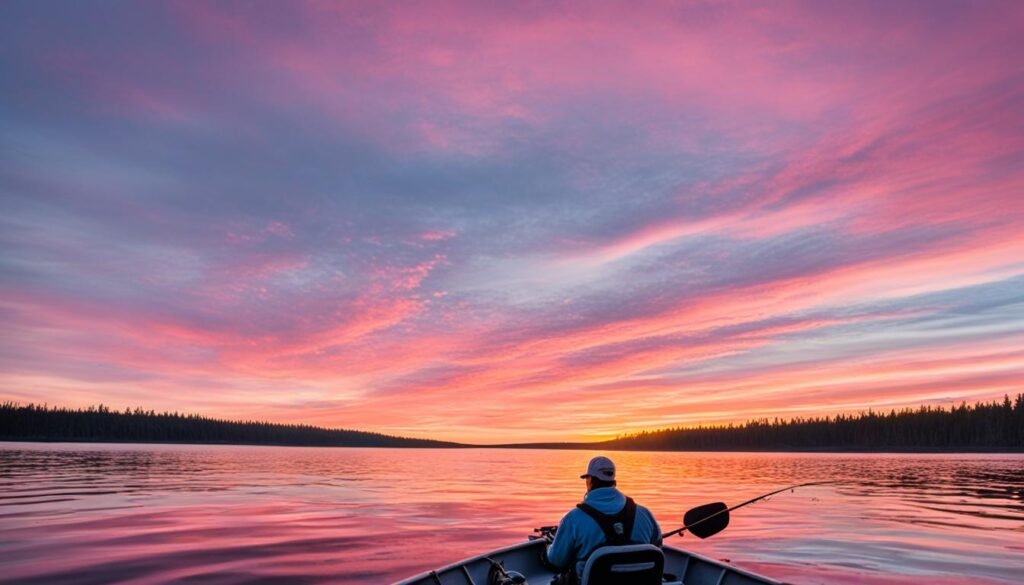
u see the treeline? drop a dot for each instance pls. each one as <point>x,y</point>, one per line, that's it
<point>35,422</point>
<point>985,426</point>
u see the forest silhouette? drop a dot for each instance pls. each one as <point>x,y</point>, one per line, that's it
<point>984,426</point>
<point>35,422</point>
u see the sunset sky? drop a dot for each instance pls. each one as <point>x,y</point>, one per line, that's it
<point>511,221</point>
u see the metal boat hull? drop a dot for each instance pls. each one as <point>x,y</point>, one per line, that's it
<point>525,558</point>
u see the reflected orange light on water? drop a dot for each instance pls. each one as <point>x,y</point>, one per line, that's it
<point>160,513</point>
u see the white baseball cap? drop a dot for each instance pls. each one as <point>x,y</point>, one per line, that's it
<point>600,467</point>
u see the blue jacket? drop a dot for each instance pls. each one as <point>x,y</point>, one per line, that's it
<point>579,535</point>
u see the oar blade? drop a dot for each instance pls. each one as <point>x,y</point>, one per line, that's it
<point>707,520</point>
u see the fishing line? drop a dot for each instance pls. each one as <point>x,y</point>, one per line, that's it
<point>747,503</point>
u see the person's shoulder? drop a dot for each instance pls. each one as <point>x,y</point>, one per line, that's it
<point>644,510</point>
<point>648,523</point>
<point>573,515</point>
<point>573,522</point>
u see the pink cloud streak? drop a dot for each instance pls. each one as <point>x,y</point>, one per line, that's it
<point>482,223</point>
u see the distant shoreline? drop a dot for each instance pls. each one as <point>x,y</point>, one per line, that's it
<point>604,447</point>
<point>528,447</point>
<point>984,427</point>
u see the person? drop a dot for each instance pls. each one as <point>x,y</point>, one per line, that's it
<point>606,517</point>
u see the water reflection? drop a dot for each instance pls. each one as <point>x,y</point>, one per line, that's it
<point>158,513</point>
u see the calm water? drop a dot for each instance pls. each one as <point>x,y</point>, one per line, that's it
<point>75,513</point>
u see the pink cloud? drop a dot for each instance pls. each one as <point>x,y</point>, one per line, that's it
<point>617,158</point>
<point>437,235</point>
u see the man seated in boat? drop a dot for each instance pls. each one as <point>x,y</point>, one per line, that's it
<point>605,518</point>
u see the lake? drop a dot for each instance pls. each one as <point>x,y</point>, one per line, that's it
<point>100,513</point>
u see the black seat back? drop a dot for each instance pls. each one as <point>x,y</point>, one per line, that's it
<point>634,564</point>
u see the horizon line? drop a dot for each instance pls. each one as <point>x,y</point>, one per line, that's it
<point>138,410</point>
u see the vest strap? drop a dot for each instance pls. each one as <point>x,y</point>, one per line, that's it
<point>618,527</point>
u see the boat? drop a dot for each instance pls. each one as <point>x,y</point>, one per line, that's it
<point>635,564</point>
<point>497,568</point>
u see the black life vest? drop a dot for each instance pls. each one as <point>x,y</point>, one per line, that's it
<point>618,527</point>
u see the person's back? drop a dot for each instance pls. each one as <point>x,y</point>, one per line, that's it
<point>606,517</point>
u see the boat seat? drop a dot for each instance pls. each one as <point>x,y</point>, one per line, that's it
<point>634,564</point>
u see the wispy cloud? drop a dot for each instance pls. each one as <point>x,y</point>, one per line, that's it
<point>491,223</point>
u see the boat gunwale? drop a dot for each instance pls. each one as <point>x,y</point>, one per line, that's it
<point>539,542</point>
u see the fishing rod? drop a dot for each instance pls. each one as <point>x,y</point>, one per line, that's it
<point>697,517</point>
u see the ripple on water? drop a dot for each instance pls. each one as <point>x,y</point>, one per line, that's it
<point>226,514</point>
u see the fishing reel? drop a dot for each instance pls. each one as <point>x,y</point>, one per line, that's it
<point>499,576</point>
<point>545,533</point>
